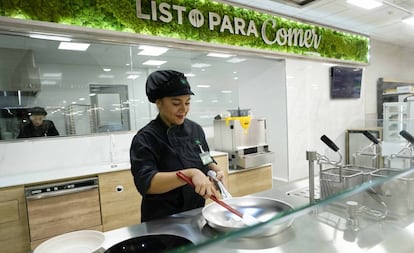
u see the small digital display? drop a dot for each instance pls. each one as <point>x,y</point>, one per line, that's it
<point>346,82</point>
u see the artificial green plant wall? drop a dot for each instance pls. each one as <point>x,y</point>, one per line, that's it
<point>232,25</point>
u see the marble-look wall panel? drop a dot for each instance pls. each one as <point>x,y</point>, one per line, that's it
<point>312,113</point>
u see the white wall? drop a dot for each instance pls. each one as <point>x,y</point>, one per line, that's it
<point>312,113</point>
<point>387,61</point>
<point>265,95</point>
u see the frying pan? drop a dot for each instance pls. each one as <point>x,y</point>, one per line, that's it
<point>263,209</point>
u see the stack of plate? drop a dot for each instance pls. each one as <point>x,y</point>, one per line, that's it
<point>83,241</point>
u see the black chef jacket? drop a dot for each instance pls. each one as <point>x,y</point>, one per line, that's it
<point>157,148</point>
<point>46,129</point>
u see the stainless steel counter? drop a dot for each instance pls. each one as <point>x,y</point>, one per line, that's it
<point>320,229</point>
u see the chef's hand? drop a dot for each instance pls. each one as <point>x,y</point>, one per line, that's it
<point>220,175</point>
<point>202,184</point>
<point>219,172</point>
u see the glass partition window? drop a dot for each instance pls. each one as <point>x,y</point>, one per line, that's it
<point>101,87</point>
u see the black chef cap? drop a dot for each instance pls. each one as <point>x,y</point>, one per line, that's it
<point>37,111</point>
<point>166,83</point>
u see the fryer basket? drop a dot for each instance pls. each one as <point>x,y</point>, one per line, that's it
<point>338,179</point>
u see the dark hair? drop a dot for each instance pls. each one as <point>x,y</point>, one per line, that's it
<point>37,110</point>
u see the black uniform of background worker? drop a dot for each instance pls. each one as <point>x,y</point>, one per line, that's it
<point>38,126</point>
<point>158,147</point>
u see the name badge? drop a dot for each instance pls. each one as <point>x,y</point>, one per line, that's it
<point>204,156</point>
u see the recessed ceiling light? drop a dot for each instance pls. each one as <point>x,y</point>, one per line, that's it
<point>203,86</point>
<point>73,46</point>
<point>189,75</point>
<point>152,51</point>
<point>106,76</point>
<point>133,77</point>
<point>48,82</point>
<point>200,65</point>
<point>236,60</point>
<point>49,37</point>
<point>53,75</point>
<point>226,91</point>
<point>219,55</point>
<point>366,4</point>
<point>409,20</point>
<point>154,63</point>
<point>107,69</point>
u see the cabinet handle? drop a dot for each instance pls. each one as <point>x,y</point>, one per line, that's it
<point>61,192</point>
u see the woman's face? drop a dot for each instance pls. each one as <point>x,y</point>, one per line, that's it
<point>173,110</point>
<point>37,120</point>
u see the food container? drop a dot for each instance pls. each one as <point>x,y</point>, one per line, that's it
<point>398,192</point>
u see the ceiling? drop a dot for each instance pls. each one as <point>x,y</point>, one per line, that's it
<point>382,23</point>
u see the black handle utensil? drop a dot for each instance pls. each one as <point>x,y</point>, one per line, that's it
<point>330,143</point>
<point>407,136</point>
<point>370,137</point>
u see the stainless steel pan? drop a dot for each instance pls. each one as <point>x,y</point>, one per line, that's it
<point>262,209</point>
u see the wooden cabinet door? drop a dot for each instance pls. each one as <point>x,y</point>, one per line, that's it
<point>223,164</point>
<point>52,216</point>
<point>14,228</point>
<point>250,181</point>
<point>120,200</point>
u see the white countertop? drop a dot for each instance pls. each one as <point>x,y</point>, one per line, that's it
<point>50,175</point>
<point>34,177</point>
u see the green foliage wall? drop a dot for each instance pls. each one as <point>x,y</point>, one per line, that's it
<point>121,15</point>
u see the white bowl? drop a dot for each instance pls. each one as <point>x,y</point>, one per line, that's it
<point>83,241</point>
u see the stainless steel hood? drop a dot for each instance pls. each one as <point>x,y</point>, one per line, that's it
<point>18,72</point>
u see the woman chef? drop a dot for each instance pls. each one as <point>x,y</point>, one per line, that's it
<point>168,144</point>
